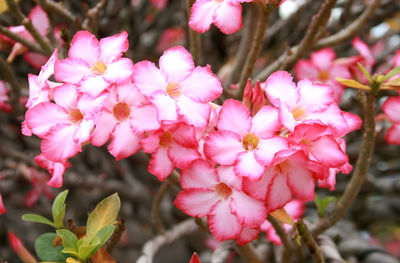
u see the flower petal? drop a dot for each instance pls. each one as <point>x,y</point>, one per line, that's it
<point>240,206</point>
<point>71,70</point>
<point>166,107</point>
<point>199,175</point>
<point>279,193</point>
<point>222,223</point>
<point>327,151</point>
<point>235,117</point>
<point>85,46</point>
<point>280,87</point>
<point>120,70</point>
<point>266,122</point>
<point>160,165</point>
<point>246,165</point>
<point>267,149</point>
<point>202,15</point>
<point>181,156</point>
<point>223,147</point>
<point>177,63</point>
<point>315,97</point>
<point>194,113</point>
<point>148,78</point>
<point>124,141</point>
<point>229,17</point>
<point>196,202</point>
<point>112,47</point>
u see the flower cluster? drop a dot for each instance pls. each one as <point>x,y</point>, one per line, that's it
<point>239,157</point>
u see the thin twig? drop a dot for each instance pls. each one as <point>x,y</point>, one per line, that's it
<point>91,22</point>
<point>286,241</point>
<point>155,207</point>
<point>21,18</point>
<point>350,30</point>
<point>360,171</point>
<point>256,47</point>
<point>17,38</point>
<point>152,246</point>
<point>9,75</point>
<point>248,34</point>
<point>60,11</point>
<point>309,240</point>
<point>248,253</point>
<point>116,236</point>
<point>194,37</point>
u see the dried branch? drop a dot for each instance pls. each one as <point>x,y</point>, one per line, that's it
<point>9,75</point>
<point>351,29</point>
<point>17,38</point>
<point>286,241</point>
<point>21,18</point>
<point>222,252</point>
<point>151,247</point>
<point>248,253</point>
<point>361,168</point>
<point>155,207</point>
<point>91,22</point>
<point>309,240</point>
<point>256,47</point>
<point>248,34</point>
<point>116,236</point>
<point>194,37</point>
<point>52,7</point>
<point>329,249</point>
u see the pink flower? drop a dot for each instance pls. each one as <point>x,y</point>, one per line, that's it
<point>322,68</point>
<point>2,207</point>
<point>217,194</point>
<point>171,146</point>
<point>56,169</point>
<point>290,175</point>
<point>306,101</point>
<point>225,14</point>
<point>93,64</point>
<point>178,90</point>
<point>248,143</point>
<point>172,36</point>
<point>160,4</point>
<point>4,89</point>
<point>124,118</point>
<point>391,108</point>
<point>63,125</point>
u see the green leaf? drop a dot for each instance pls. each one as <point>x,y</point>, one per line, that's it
<point>45,250</point>
<point>323,203</point>
<point>86,251</point>
<point>365,72</point>
<point>37,219</point>
<point>59,218</point>
<point>391,73</point>
<point>59,205</point>
<point>70,241</point>
<point>103,235</point>
<point>103,215</point>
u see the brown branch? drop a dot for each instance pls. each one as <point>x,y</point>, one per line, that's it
<point>15,90</point>
<point>256,47</point>
<point>350,30</point>
<point>309,240</point>
<point>361,168</point>
<point>116,236</point>
<point>155,207</point>
<point>248,34</point>
<point>52,7</point>
<point>91,22</point>
<point>21,18</point>
<point>194,37</point>
<point>248,253</point>
<point>286,241</point>
<point>17,38</point>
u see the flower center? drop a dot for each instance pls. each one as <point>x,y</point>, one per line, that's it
<point>281,168</point>
<point>166,139</point>
<point>323,76</point>
<point>121,111</point>
<point>173,90</point>
<point>98,68</point>
<point>75,116</point>
<point>298,113</point>
<point>250,142</point>
<point>223,191</point>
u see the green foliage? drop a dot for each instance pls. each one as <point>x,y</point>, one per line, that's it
<point>323,203</point>
<point>46,251</point>
<point>37,219</point>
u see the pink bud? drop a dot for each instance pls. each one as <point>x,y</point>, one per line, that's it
<point>248,94</point>
<point>20,249</point>
<point>2,207</point>
<point>195,258</point>
<point>258,99</point>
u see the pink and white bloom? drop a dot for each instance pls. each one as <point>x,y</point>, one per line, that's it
<point>179,91</point>
<point>248,143</point>
<point>391,108</point>
<point>95,65</point>
<point>322,67</point>
<point>291,174</point>
<point>225,14</point>
<point>56,169</point>
<point>171,146</point>
<point>63,125</point>
<point>124,118</point>
<point>217,194</point>
<point>306,101</point>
